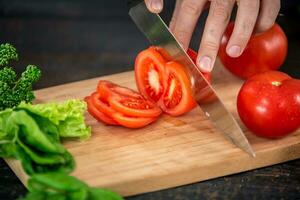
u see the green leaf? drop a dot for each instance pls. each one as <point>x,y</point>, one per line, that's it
<point>68,116</point>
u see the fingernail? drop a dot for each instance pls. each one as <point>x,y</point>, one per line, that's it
<point>205,64</point>
<point>156,5</point>
<point>234,51</point>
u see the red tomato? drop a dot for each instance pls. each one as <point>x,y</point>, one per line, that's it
<point>164,81</point>
<point>97,114</point>
<point>177,98</point>
<point>127,101</point>
<point>269,104</point>
<point>99,108</point>
<point>264,51</point>
<point>149,73</point>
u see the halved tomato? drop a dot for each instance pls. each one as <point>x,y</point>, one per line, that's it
<point>149,73</point>
<point>97,114</point>
<point>177,98</point>
<point>127,101</point>
<point>164,81</point>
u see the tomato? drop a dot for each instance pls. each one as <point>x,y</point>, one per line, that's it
<point>133,122</point>
<point>102,111</point>
<point>164,81</point>
<point>149,73</point>
<point>264,51</point>
<point>269,104</point>
<point>97,114</point>
<point>127,101</point>
<point>177,98</point>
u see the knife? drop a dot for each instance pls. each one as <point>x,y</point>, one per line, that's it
<point>159,35</point>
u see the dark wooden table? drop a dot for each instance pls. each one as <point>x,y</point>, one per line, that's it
<point>79,40</point>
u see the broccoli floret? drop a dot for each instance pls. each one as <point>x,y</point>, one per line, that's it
<point>23,88</point>
<point>7,53</point>
<point>12,90</point>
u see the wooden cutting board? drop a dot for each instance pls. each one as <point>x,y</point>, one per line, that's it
<point>167,153</point>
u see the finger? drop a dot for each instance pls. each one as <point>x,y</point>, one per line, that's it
<point>267,16</point>
<point>174,15</point>
<point>187,18</point>
<point>216,22</point>
<point>245,21</point>
<point>154,6</point>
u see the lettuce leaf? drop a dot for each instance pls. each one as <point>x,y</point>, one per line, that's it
<point>68,116</point>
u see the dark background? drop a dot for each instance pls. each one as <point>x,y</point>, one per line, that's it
<point>75,40</point>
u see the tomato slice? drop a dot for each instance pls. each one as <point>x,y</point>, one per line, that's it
<point>134,107</point>
<point>106,89</point>
<point>101,106</point>
<point>127,101</point>
<point>133,122</point>
<point>177,98</point>
<point>97,114</point>
<point>149,73</point>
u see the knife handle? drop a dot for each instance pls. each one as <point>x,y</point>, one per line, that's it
<point>132,3</point>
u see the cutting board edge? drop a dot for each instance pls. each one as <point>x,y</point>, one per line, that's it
<point>288,153</point>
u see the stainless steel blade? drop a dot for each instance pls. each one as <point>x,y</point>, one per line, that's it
<point>159,35</point>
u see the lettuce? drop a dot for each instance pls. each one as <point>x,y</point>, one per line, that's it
<point>68,116</point>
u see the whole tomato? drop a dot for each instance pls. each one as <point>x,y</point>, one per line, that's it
<point>269,104</point>
<point>264,51</point>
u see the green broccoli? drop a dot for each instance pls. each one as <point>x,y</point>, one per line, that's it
<point>12,89</point>
<point>7,53</point>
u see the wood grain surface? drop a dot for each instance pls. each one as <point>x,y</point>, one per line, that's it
<point>167,153</point>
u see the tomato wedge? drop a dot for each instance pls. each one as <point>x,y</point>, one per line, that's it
<point>127,101</point>
<point>177,98</point>
<point>97,114</point>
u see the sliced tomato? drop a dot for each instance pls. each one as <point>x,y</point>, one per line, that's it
<point>127,101</point>
<point>134,107</point>
<point>101,107</point>
<point>149,73</point>
<point>97,114</point>
<point>106,89</point>
<point>177,98</point>
<point>132,122</point>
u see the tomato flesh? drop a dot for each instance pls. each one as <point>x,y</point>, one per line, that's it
<point>269,104</point>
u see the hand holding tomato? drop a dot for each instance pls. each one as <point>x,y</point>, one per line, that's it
<point>269,104</point>
<point>264,51</point>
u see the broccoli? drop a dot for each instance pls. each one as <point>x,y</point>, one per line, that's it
<point>14,90</point>
<point>7,53</point>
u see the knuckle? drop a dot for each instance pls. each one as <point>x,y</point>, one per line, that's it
<point>251,4</point>
<point>190,7</point>
<point>210,46</point>
<point>221,10</point>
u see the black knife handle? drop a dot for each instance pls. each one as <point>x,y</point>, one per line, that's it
<point>132,3</point>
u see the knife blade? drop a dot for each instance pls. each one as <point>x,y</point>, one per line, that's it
<point>159,35</point>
